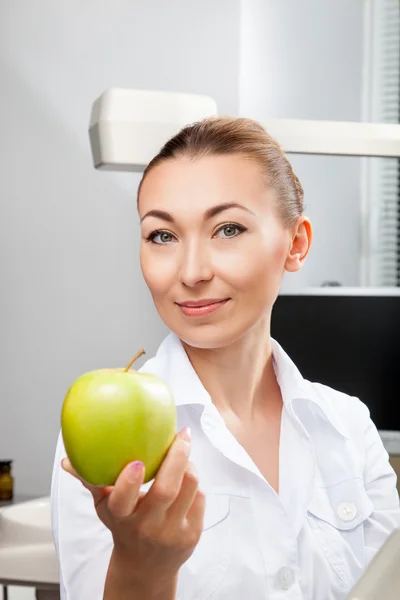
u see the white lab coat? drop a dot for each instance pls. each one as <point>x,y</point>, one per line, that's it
<point>337,501</point>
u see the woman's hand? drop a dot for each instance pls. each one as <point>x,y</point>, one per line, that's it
<point>154,532</point>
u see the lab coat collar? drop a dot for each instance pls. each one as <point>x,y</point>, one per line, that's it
<point>172,364</point>
<point>299,394</point>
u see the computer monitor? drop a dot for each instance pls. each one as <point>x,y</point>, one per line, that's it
<point>349,339</point>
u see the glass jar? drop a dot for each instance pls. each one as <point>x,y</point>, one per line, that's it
<point>6,480</point>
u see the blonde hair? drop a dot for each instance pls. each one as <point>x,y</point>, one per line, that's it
<point>238,136</point>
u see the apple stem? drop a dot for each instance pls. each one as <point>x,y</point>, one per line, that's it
<point>137,355</point>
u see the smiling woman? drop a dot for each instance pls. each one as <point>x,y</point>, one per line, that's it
<point>221,211</point>
<point>274,483</point>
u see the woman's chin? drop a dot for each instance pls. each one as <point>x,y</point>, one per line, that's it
<point>210,337</point>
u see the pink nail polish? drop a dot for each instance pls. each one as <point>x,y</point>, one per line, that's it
<point>135,471</point>
<point>186,434</point>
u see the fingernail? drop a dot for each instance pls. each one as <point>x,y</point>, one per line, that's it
<point>186,434</point>
<point>135,470</point>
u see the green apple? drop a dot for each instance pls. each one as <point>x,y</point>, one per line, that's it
<point>111,417</point>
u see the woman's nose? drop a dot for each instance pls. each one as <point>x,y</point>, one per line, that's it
<point>194,266</point>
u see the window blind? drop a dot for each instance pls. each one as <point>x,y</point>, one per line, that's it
<point>383,174</point>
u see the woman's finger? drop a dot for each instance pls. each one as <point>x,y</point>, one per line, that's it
<point>126,493</point>
<point>98,493</point>
<point>185,498</point>
<point>168,481</point>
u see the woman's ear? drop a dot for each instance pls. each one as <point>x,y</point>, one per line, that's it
<point>300,244</point>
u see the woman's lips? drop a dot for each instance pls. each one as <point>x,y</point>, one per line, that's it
<point>200,311</point>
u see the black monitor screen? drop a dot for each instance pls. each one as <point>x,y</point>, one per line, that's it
<point>349,342</point>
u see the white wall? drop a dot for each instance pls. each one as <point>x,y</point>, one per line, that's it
<point>72,297</point>
<point>305,60</point>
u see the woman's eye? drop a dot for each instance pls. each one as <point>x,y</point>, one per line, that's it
<point>160,237</point>
<point>230,230</point>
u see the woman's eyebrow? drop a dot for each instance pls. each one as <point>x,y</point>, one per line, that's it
<point>210,212</point>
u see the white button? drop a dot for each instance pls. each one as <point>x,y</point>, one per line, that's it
<point>347,511</point>
<point>285,578</point>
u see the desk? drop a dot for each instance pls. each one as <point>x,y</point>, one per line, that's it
<point>43,591</point>
<point>17,498</point>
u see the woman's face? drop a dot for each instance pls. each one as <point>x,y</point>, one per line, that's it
<point>211,234</point>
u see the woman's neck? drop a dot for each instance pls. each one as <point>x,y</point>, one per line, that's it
<point>240,378</point>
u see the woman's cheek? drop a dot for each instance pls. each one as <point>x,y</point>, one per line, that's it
<point>159,274</point>
<point>246,260</point>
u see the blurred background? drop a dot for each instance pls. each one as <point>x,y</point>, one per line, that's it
<point>72,296</point>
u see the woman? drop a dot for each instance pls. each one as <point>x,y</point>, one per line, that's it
<point>288,492</point>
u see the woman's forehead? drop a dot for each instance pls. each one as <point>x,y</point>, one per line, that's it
<point>204,182</point>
